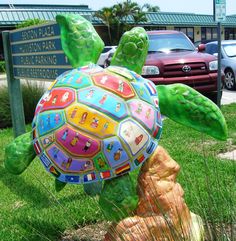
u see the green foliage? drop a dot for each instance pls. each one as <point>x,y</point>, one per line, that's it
<point>31,93</point>
<point>30,22</point>
<point>117,18</point>
<point>2,67</point>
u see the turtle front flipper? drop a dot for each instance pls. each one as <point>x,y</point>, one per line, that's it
<point>19,154</point>
<point>80,41</point>
<point>132,50</point>
<point>188,107</point>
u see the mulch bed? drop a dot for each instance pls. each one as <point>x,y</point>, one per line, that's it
<point>91,232</point>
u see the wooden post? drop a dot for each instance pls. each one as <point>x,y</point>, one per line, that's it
<point>14,90</point>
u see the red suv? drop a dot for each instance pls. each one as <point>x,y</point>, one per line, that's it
<point>172,58</point>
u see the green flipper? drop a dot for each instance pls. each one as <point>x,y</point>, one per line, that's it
<point>93,189</point>
<point>83,46</point>
<point>118,198</point>
<point>132,50</point>
<point>80,41</point>
<point>190,108</point>
<point>59,185</point>
<point>19,154</point>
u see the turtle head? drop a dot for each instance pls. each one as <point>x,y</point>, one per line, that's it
<point>132,50</point>
<point>80,41</point>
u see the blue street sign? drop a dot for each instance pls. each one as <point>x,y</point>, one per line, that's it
<point>37,52</point>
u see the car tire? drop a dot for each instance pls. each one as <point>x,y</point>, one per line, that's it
<point>106,63</point>
<point>230,83</point>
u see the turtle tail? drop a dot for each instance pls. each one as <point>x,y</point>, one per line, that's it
<point>188,107</point>
<point>19,154</point>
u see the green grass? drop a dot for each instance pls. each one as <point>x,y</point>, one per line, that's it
<point>30,208</point>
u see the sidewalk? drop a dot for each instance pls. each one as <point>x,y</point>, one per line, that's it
<point>228,97</point>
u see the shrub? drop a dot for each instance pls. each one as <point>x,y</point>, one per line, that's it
<point>31,93</point>
<point>30,22</point>
<point>2,67</point>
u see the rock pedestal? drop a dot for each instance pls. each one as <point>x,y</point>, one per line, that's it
<point>162,213</point>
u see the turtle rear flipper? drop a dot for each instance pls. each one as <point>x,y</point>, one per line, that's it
<point>188,107</point>
<point>19,154</point>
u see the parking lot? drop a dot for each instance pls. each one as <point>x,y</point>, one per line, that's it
<point>228,97</point>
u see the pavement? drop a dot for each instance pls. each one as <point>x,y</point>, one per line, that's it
<point>228,97</point>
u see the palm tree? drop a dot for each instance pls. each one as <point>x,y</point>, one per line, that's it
<point>140,16</point>
<point>106,15</point>
<point>118,17</point>
<point>149,8</point>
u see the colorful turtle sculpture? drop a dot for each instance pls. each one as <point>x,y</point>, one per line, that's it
<point>96,124</point>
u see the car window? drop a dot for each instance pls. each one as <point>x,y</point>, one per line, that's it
<point>169,42</point>
<point>211,48</point>
<point>106,49</point>
<point>230,50</point>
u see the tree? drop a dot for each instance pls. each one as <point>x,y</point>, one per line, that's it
<point>122,16</point>
<point>149,8</point>
<point>106,15</point>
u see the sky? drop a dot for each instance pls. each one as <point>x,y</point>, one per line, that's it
<point>190,6</point>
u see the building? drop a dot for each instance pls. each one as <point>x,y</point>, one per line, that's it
<point>197,26</point>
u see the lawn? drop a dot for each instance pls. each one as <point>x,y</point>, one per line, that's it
<point>30,208</point>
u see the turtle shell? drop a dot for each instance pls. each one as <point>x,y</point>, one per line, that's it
<point>94,124</point>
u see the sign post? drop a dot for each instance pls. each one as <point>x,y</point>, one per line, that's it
<point>219,16</point>
<point>33,53</point>
<point>14,90</point>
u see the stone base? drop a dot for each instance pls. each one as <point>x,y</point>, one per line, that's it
<point>162,214</point>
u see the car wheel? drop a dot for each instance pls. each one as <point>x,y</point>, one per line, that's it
<point>230,83</point>
<point>106,63</point>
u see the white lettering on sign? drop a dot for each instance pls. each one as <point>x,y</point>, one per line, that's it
<point>34,47</point>
<point>37,73</point>
<point>38,60</point>
<point>47,31</point>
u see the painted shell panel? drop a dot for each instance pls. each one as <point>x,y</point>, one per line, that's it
<point>94,124</point>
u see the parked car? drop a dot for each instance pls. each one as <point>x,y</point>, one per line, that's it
<point>228,60</point>
<point>197,43</point>
<point>104,55</point>
<point>173,58</point>
<point>108,60</point>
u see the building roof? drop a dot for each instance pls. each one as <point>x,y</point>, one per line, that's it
<point>11,15</point>
<point>42,6</point>
<point>186,19</point>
